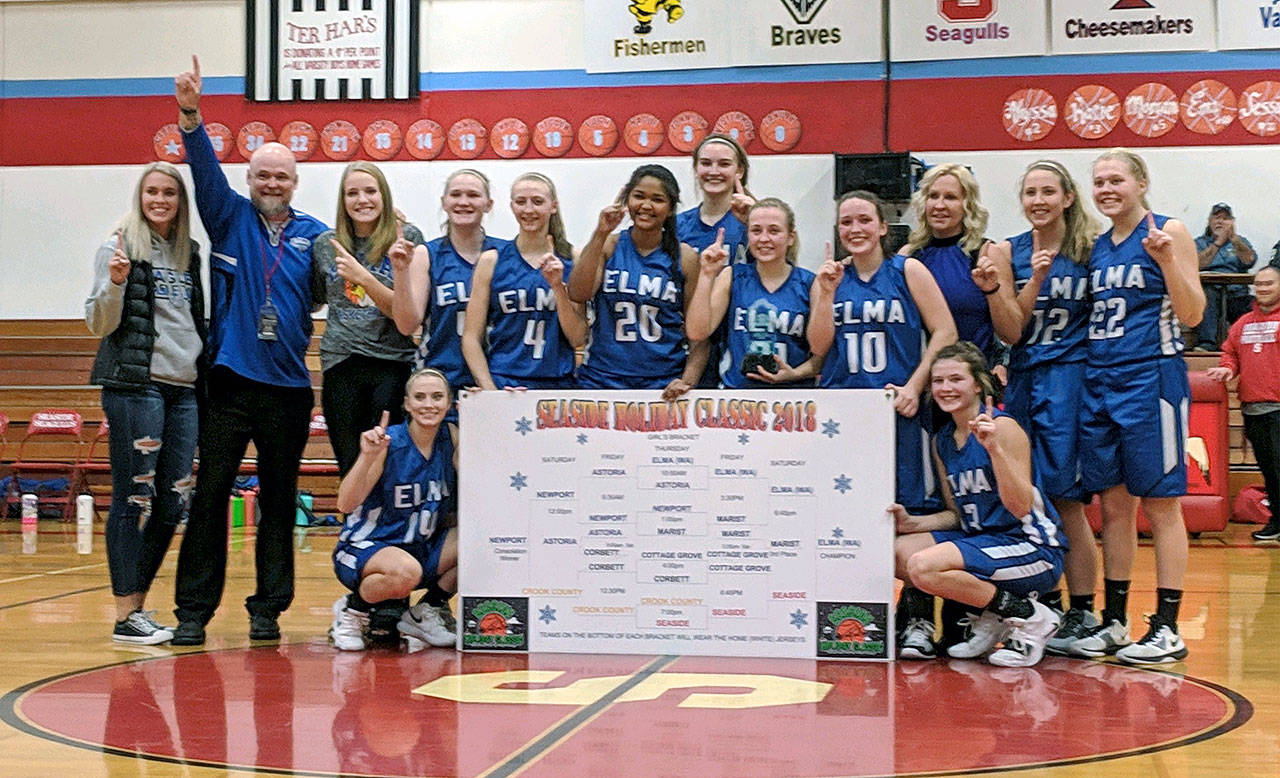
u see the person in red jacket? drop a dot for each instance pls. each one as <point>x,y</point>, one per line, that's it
<point>1252,352</point>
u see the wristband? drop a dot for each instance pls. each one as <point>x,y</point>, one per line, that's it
<point>992,291</point>
<point>188,111</point>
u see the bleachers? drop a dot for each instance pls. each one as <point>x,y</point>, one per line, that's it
<point>45,363</point>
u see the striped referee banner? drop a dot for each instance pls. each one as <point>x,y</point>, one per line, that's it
<point>331,50</point>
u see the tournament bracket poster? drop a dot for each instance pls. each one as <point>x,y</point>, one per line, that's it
<point>723,523</point>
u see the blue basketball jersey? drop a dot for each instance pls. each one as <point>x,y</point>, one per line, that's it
<point>1132,316</point>
<point>637,334</point>
<point>764,322</point>
<point>412,496</point>
<point>951,268</point>
<point>973,485</point>
<point>525,340</point>
<point>1058,329</point>
<point>879,335</point>
<point>691,229</point>
<point>442,323</point>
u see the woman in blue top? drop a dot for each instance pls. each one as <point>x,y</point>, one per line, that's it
<point>639,282</point>
<point>519,298</point>
<point>882,321</point>
<point>1144,281</point>
<point>998,544</point>
<point>720,169</point>
<point>431,292</point>
<point>1037,284</point>
<point>767,301</point>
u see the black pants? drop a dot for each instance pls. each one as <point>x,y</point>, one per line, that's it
<point>355,393</point>
<point>1263,432</point>
<point>276,419</point>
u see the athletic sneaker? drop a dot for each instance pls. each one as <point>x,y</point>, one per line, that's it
<point>423,622</point>
<point>349,627</point>
<point>917,641</point>
<point>446,617</point>
<point>1101,640</point>
<point>138,628</point>
<point>1024,646</point>
<point>1076,623</point>
<point>1269,532</point>
<point>983,632</point>
<point>1162,644</point>
<point>150,616</point>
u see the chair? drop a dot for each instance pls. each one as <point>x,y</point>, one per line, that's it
<point>51,446</point>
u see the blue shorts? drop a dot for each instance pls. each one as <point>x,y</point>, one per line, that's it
<point>349,559</point>
<point>1134,428</point>
<point>1046,401</point>
<point>598,379</point>
<point>916,487</point>
<point>1010,562</point>
<point>563,382</point>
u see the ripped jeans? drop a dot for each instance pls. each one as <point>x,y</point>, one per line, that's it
<point>153,441</point>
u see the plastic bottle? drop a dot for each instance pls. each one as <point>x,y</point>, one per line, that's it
<point>84,524</point>
<point>30,522</point>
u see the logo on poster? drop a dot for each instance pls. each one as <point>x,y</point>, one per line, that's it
<point>967,14</point>
<point>803,12</point>
<point>644,11</point>
<point>1106,28</point>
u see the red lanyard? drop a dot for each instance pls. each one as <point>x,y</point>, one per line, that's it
<point>267,273</point>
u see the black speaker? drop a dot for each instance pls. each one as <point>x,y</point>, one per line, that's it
<point>892,176</point>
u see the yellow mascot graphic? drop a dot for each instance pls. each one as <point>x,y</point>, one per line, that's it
<point>644,10</point>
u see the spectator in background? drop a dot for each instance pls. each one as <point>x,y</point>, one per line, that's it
<point>1221,250</point>
<point>1252,352</point>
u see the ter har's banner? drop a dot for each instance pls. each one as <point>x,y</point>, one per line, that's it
<point>749,524</point>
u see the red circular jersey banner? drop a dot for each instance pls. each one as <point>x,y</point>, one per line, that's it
<point>1208,107</point>
<point>301,138</point>
<point>598,135</point>
<point>167,144</point>
<point>1260,108</point>
<point>643,133</point>
<point>780,130</point>
<point>510,138</point>
<point>1029,114</point>
<point>221,139</point>
<point>1151,110</point>
<point>425,139</point>
<point>339,140</point>
<point>467,138</point>
<point>382,139</point>
<point>1091,111</point>
<point>253,135</point>
<point>686,130</point>
<point>736,125</point>
<point>553,136</point>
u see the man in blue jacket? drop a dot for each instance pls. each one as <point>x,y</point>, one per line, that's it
<point>261,297</point>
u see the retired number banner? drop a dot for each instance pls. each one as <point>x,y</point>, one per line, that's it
<point>724,523</point>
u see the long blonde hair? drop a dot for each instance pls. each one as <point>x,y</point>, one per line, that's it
<point>384,232</point>
<point>974,221</point>
<point>1136,166</point>
<point>555,224</point>
<point>137,232</point>
<point>1081,228</point>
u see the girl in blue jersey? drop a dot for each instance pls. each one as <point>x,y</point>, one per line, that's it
<point>364,357</point>
<point>947,238</point>
<point>639,282</point>
<point>1144,282</point>
<point>767,302</point>
<point>399,498</point>
<point>720,169</point>
<point>432,290</point>
<point>998,544</point>
<point>1037,285</point>
<point>519,298</point>
<point>887,320</point>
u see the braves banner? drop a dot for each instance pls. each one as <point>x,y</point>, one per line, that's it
<point>1105,26</point>
<point>965,29</point>
<point>774,32</point>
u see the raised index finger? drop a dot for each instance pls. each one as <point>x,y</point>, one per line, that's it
<point>195,65</point>
<point>385,420</point>
<point>991,407</point>
<point>622,196</point>
<point>720,238</point>
<point>399,230</point>
<point>830,253</point>
<point>119,241</point>
<point>1151,221</point>
<point>1035,241</point>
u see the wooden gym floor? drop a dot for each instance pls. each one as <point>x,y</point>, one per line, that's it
<point>75,704</point>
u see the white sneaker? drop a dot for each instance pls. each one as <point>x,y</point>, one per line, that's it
<point>140,629</point>
<point>985,632</point>
<point>1101,640</point>
<point>917,641</point>
<point>1025,644</point>
<point>423,622</point>
<point>349,627</point>
<point>1161,645</point>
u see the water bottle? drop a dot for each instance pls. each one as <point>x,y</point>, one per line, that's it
<point>302,521</point>
<point>84,524</point>
<point>30,522</point>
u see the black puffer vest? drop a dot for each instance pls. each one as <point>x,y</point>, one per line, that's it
<point>124,357</point>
